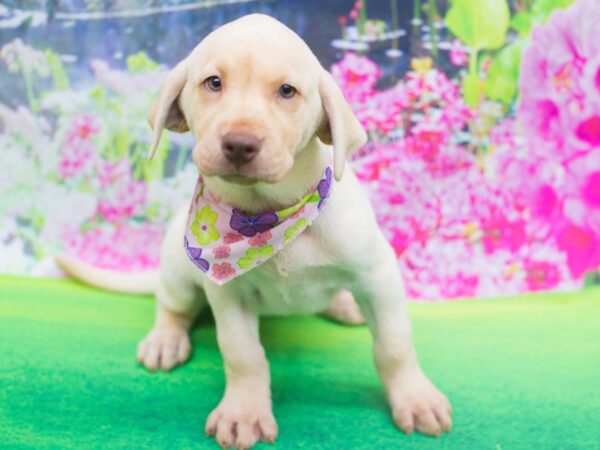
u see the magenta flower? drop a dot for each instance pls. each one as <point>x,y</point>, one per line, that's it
<point>76,158</point>
<point>458,53</point>
<point>78,152</point>
<point>588,130</point>
<point>124,247</point>
<point>122,201</point>
<point>356,75</point>
<point>545,202</point>
<point>109,173</point>
<point>582,248</point>
<point>541,275</point>
<point>83,127</point>
<point>501,233</point>
<point>559,64</point>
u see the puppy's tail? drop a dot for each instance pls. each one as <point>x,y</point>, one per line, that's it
<point>144,282</point>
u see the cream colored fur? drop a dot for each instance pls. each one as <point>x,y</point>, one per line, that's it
<point>343,249</point>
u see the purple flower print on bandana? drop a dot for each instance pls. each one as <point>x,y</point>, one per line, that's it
<point>251,225</point>
<point>194,254</point>
<point>235,242</point>
<point>324,187</point>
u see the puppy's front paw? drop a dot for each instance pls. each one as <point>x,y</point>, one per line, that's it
<point>164,348</point>
<point>240,423</point>
<point>418,405</point>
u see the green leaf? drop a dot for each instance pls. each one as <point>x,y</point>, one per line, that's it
<point>57,69</point>
<point>480,24</point>
<point>472,90</point>
<point>140,62</point>
<point>503,74</point>
<point>542,9</point>
<point>522,23</point>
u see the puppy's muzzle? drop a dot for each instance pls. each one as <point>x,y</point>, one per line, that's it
<point>240,148</point>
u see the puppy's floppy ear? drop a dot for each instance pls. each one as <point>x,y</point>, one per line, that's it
<point>165,112</point>
<point>341,128</point>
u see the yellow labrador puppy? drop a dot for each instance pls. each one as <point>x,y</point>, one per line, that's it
<point>271,127</point>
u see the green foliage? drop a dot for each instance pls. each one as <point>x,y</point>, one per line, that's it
<point>472,88</point>
<point>540,11</point>
<point>140,62</point>
<point>480,24</point>
<point>503,74</point>
<point>484,25</point>
<point>57,71</point>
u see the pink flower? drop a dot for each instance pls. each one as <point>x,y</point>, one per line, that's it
<point>589,130</point>
<point>109,173</point>
<point>76,158</point>
<point>260,240</point>
<point>222,251</point>
<point>222,271</point>
<point>558,68</point>
<point>582,249</point>
<point>400,241</point>
<point>541,275</point>
<point>353,14</point>
<point>232,237</point>
<point>122,201</point>
<point>591,189</point>
<point>124,247</point>
<point>78,152</point>
<point>356,75</point>
<point>545,201</point>
<point>458,54</point>
<point>462,285</point>
<point>83,127</point>
<point>500,233</point>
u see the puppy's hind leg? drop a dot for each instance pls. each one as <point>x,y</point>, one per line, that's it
<point>168,344</point>
<point>344,309</point>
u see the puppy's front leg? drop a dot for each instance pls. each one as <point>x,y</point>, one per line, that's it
<point>168,343</point>
<point>414,400</point>
<point>244,416</point>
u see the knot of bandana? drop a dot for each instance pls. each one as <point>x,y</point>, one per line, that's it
<point>225,242</point>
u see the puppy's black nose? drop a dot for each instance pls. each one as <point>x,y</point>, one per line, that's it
<point>240,148</point>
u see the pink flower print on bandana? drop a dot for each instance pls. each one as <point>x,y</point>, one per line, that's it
<point>225,242</point>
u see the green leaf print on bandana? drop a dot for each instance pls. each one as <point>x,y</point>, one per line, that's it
<point>292,231</point>
<point>254,256</point>
<point>203,226</point>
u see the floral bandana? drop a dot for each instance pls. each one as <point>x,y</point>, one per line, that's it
<point>224,242</point>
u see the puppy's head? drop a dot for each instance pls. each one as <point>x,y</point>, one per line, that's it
<point>254,95</point>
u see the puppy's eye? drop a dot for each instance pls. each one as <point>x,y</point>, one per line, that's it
<point>213,84</point>
<point>287,91</point>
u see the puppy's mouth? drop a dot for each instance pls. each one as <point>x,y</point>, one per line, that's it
<point>212,163</point>
<point>245,175</point>
<point>240,180</point>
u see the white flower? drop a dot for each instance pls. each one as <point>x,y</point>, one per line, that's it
<point>63,210</point>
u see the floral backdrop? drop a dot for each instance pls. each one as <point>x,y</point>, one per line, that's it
<point>483,162</point>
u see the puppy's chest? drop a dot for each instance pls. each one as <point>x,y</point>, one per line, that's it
<point>301,279</point>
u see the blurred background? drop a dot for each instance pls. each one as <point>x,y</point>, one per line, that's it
<point>483,163</point>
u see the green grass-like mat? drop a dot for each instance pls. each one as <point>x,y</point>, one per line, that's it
<point>521,373</point>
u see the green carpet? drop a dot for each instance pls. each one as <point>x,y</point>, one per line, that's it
<point>521,373</point>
